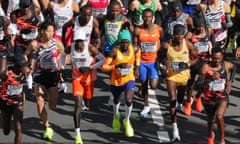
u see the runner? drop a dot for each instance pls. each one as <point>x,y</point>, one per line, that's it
<point>47,72</point>
<point>12,99</point>
<point>201,39</point>
<point>121,63</point>
<point>147,42</point>
<point>217,87</point>
<point>178,72</point>
<point>84,65</point>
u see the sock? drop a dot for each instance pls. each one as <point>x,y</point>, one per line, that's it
<point>174,125</point>
<point>116,110</point>
<point>29,80</point>
<point>77,130</point>
<point>128,110</point>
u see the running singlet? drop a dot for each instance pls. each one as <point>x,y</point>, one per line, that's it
<point>82,59</point>
<point>87,28</point>
<point>214,90</point>
<point>174,58</point>
<point>201,44</point>
<point>112,30</point>
<point>12,89</point>
<point>48,58</point>
<point>120,76</point>
<point>149,44</point>
<point>62,15</point>
<point>99,7</point>
<point>12,5</point>
<point>215,20</point>
<point>137,20</point>
<point>180,20</point>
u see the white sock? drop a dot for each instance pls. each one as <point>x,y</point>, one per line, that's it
<point>29,80</point>
<point>115,110</point>
<point>77,130</point>
<point>174,125</point>
<point>128,110</point>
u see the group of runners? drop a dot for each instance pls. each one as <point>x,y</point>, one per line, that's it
<point>145,40</point>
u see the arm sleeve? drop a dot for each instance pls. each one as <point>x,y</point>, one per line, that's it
<point>101,59</point>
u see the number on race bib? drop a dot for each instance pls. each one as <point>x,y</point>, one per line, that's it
<point>217,85</point>
<point>14,90</point>
<point>148,46</point>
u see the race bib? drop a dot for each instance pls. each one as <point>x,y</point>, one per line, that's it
<point>14,90</point>
<point>124,71</point>
<point>215,23</point>
<point>80,62</point>
<point>47,64</point>
<point>148,46</point>
<point>60,21</point>
<point>175,66</point>
<point>220,35</point>
<point>217,85</point>
<point>30,36</point>
<point>1,34</point>
<point>99,12</point>
<point>201,46</point>
<point>112,29</point>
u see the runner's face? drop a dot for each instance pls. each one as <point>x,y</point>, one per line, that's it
<point>124,44</point>
<point>115,11</point>
<point>87,14</point>
<point>177,13</point>
<point>178,37</point>
<point>48,33</point>
<point>147,18</point>
<point>217,58</point>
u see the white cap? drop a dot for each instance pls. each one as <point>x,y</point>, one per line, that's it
<point>79,35</point>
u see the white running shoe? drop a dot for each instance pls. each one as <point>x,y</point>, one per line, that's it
<point>176,136</point>
<point>62,87</point>
<point>145,111</point>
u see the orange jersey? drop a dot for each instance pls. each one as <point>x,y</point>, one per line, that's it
<point>123,75</point>
<point>149,44</point>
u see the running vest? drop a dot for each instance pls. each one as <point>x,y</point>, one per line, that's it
<point>215,20</point>
<point>82,59</point>
<point>112,29</point>
<point>99,7</point>
<point>12,89</point>
<point>174,58</point>
<point>12,6</point>
<point>180,20</point>
<point>138,16</point>
<point>120,76</point>
<point>62,15</point>
<point>87,28</point>
<point>215,88</point>
<point>149,44</point>
<point>48,58</point>
<point>201,44</point>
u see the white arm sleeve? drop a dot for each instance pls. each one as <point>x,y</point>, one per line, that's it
<point>101,59</point>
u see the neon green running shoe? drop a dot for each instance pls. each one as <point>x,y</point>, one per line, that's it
<point>129,132</point>
<point>78,140</point>
<point>116,125</point>
<point>48,134</point>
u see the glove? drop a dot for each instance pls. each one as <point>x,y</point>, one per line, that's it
<point>84,69</point>
<point>183,65</point>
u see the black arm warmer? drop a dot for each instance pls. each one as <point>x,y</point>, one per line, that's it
<point>232,74</point>
<point>229,22</point>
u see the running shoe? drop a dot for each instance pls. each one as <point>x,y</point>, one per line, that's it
<point>78,140</point>
<point>188,108</point>
<point>210,140</point>
<point>176,136</point>
<point>48,134</point>
<point>62,87</point>
<point>179,106</point>
<point>129,132</point>
<point>145,111</point>
<point>116,125</point>
<point>199,105</point>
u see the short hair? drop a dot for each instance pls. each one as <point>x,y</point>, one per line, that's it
<point>217,49</point>
<point>148,10</point>
<point>44,25</point>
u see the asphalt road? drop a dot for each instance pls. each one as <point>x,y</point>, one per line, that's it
<point>96,123</point>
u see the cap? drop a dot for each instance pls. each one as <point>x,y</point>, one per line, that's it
<point>179,28</point>
<point>198,21</point>
<point>124,35</point>
<point>177,5</point>
<point>79,35</point>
